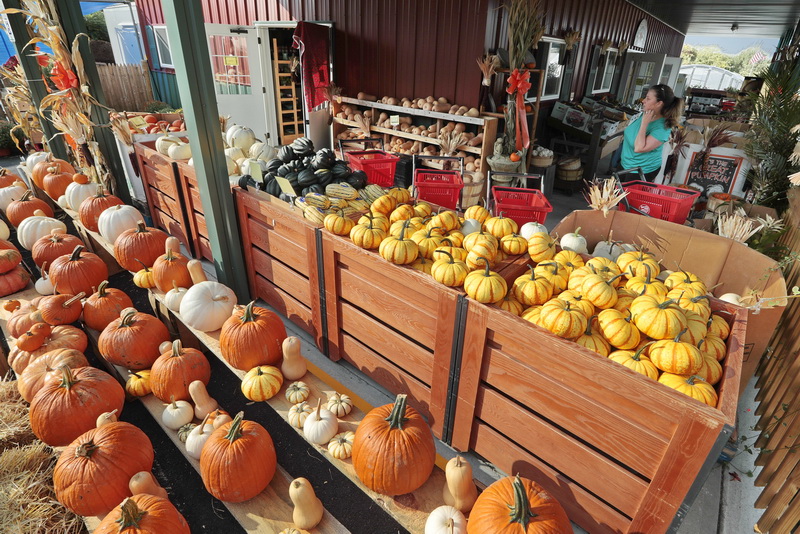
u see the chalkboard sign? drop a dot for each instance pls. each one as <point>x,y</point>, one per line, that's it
<point>718,176</point>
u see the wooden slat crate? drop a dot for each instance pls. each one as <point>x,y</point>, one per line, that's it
<point>617,449</point>
<point>163,193</point>
<point>194,210</point>
<point>281,257</point>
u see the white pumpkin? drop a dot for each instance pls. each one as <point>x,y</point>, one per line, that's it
<point>38,225</point>
<point>240,137</point>
<point>471,226</point>
<point>259,150</point>
<point>663,275</point>
<point>246,166</point>
<point>116,219</point>
<point>10,194</point>
<point>233,168</point>
<point>76,193</point>
<point>176,414</point>
<point>5,232</point>
<point>446,520</point>
<point>235,153</point>
<point>733,298</point>
<point>62,201</point>
<point>165,141</point>
<point>34,158</point>
<point>44,286</point>
<point>574,241</point>
<point>198,437</point>
<point>320,425</point>
<point>206,305</point>
<point>181,152</point>
<point>174,297</point>
<point>530,228</point>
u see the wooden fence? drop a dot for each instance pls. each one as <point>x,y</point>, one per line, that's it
<point>779,409</point>
<point>126,87</point>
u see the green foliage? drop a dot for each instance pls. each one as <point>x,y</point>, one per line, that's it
<point>6,141</point>
<point>714,56</point>
<point>96,26</point>
<point>776,110</point>
<point>158,107</point>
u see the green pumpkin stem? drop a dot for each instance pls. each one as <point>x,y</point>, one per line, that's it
<point>403,230</point>
<point>130,515</point>
<point>398,415</point>
<point>678,337</point>
<point>127,319</point>
<point>371,218</point>
<point>235,431</point>
<point>176,348</point>
<point>452,259</point>
<point>487,273</point>
<point>67,378</point>
<point>638,354</point>
<point>431,229</point>
<point>249,315</point>
<point>146,268</point>
<point>76,254</point>
<point>533,275</point>
<point>101,289</point>
<point>588,331</point>
<point>85,450</point>
<point>26,196</point>
<point>521,511</point>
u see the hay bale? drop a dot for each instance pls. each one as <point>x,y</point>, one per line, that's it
<point>15,427</point>
<point>27,500</point>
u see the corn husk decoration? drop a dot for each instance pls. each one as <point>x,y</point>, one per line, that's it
<point>332,94</point>
<point>604,46</point>
<point>450,140</point>
<point>19,97</point>
<point>571,38</point>
<point>678,144</point>
<point>604,197</point>
<point>363,124</point>
<point>488,64</point>
<point>737,227</point>
<point>622,47</point>
<point>795,157</point>
<point>525,20</point>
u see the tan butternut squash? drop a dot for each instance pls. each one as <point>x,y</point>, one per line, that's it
<point>106,418</point>
<point>308,508</point>
<point>294,364</point>
<point>459,490</point>
<point>145,482</point>
<point>204,404</point>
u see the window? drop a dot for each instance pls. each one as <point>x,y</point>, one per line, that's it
<point>229,60</point>
<point>162,46</point>
<point>605,72</point>
<point>551,51</point>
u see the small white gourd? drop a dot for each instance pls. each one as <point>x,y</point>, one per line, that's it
<point>198,437</point>
<point>77,192</point>
<point>446,520</point>
<point>182,151</point>
<point>206,305</point>
<point>165,141</point>
<point>574,241</point>
<point>732,298</point>
<point>471,226</point>
<point>44,286</point>
<point>177,413</point>
<point>321,425</point>
<point>308,509</point>
<point>294,364</point>
<point>530,228</point>
<point>174,297</point>
<point>10,194</point>
<point>62,201</point>
<point>106,418</point>
<point>340,404</point>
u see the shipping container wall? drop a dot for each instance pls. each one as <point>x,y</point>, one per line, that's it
<point>411,48</point>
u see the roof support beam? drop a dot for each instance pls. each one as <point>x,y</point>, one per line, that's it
<point>189,49</point>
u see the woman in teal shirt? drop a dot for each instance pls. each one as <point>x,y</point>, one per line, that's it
<point>642,139</point>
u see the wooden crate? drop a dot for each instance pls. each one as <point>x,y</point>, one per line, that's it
<point>618,450</point>
<point>164,197</point>
<point>280,253</point>
<point>198,231</point>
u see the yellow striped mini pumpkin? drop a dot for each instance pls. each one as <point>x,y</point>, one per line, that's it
<point>619,329</point>
<point>676,356</point>
<point>693,386</point>
<point>636,361</point>
<point>562,319</point>
<point>514,244</point>
<point>658,319</point>
<point>367,236</point>
<point>449,271</point>
<point>427,240</point>
<point>477,238</point>
<point>337,223</point>
<point>532,290</point>
<point>541,247</point>
<point>399,250</point>
<point>479,213</point>
<point>485,286</point>
<point>501,226</point>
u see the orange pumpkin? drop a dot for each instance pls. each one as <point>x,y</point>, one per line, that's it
<point>61,337</point>
<point>143,244</point>
<point>143,514</point>
<point>10,256</point>
<point>61,309</point>
<point>64,409</point>
<point>45,368</point>
<point>91,208</point>
<point>80,272</point>
<point>24,317</point>
<point>174,370</point>
<point>252,336</point>
<point>171,268</point>
<point>132,340</point>
<point>515,505</point>
<point>393,449</point>
<point>8,178</point>
<point>55,182</point>
<point>238,461</point>
<point>48,248</point>
<point>19,210</point>
<point>41,169</point>
<point>92,474</point>
<point>104,306</point>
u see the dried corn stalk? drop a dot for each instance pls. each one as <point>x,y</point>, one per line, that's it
<point>488,64</point>
<point>571,38</point>
<point>450,140</point>
<point>604,46</point>
<point>737,227</point>
<point>524,21</point>
<point>604,198</point>
<point>622,46</point>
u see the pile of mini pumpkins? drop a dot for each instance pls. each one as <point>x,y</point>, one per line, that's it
<point>659,326</point>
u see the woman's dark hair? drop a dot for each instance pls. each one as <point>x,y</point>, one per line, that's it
<point>673,105</point>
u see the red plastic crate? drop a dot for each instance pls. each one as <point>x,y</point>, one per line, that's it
<point>378,165</point>
<point>439,187</point>
<point>663,202</point>
<point>522,205</point>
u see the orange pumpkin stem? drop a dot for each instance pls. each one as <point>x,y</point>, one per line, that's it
<point>235,431</point>
<point>398,415</point>
<point>130,515</point>
<point>521,511</point>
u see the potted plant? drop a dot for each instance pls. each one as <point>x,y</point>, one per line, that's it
<point>7,144</point>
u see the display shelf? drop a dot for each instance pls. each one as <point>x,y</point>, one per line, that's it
<point>485,125</point>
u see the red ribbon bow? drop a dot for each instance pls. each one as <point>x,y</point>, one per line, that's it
<point>519,82</point>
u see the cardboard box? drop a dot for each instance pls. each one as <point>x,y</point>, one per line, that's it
<point>559,110</point>
<point>577,119</point>
<point>715,259</point>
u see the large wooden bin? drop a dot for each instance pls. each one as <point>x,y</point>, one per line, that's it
<point>280,254</point>
<point>163,194</point>
<point>618,450</point>
<point>198,231</point>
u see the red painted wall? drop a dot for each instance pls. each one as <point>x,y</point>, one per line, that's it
<point>419,47</point>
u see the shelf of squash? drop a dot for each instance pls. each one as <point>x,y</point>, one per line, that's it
<point>273,501</point>
<point>411,511</point>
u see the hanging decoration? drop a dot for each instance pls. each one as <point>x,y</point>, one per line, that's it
<point>622,47</point>
<point>519,84</point>
<point>601,61</point>
<point>571,38</point>
<point>488,64</point>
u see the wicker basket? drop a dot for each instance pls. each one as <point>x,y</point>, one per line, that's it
<point>569,175</point>
<point>569,164</point>
<point>473,193</point>
<point>541,161</point>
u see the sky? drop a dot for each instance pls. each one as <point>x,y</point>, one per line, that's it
<point>731,45</point>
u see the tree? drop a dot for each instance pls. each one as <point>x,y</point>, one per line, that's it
<point>714,56</point>
<point>96,26</point>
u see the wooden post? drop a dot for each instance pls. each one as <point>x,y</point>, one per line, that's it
<point>187,33</point>
<point>73,23</point>
<point>19,30</point>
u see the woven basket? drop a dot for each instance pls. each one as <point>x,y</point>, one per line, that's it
<point>569,175</point>
<point>473,193</point>
<point>569,164</point>
<point>542,161</point>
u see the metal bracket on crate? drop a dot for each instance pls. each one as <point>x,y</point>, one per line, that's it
<point>374,140</point>
<point>416,157</point>
<point>513,175</point>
